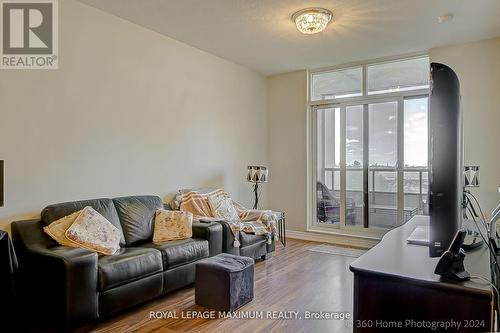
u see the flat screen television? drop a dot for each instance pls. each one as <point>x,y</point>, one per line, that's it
<point>445,158</point>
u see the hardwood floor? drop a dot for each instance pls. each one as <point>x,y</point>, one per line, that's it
<point>295,279</point>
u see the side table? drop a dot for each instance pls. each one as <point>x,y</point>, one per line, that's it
<point>282,228</point>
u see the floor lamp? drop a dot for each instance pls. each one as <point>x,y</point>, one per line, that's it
<point>471,179</point>
<point>257,174</point>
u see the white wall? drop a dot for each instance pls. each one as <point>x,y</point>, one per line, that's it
<point>131,111</point>
<point>128,112</point>
<point>478,67</point>
<point>288,147</point>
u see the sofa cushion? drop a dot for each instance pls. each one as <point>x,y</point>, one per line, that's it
<point>127,265</point>
<point>250,239</point>
<point>179,252</point>
<point>136,215</point>
<point>92,231</point>
<point>105,207</point>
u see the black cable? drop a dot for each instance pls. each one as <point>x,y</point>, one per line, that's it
<point>493,254</point>
<point>483,220</point>
<point>482,236</point>
<point>477,226</point>
<point>497,307</point>
<point>477,202</point>
<point>468,203</point>
<point>487,243</point>
<point>465,213</point>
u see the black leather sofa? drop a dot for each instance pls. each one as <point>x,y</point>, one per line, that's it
<point>66,287</point>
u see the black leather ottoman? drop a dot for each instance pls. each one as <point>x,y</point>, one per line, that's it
<point>224,282</point>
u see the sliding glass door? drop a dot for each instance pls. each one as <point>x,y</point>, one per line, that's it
<point>328,165</point>
<point>416,155</point>
<point>382,164</point>
<point>371,162</point>
<point>355,162</point>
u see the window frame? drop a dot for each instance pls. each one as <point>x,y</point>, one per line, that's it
<point>365,99</point>
<point>326,71</point>
<point>364,77</point>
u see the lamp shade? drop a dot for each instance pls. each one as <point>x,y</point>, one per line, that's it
<point>471,175</point>
<point>257,174</point>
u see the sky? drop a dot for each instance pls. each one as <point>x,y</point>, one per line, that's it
<point>382,134</point>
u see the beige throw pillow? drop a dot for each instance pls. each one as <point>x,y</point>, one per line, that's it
<point>172,225</point>
<point>223,207</point>
<point>93,231</point>
<point>57,229</point>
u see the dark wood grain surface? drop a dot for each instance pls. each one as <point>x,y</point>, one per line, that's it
<point>394,257</point>
<point>394,283</point>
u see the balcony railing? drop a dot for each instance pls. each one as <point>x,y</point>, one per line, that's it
<point>382,187</point>
<point>373,186</point>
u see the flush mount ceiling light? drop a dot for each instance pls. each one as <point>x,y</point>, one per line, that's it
<point>312,20</point>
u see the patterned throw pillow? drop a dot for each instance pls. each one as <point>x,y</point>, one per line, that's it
<point>223,207</point>
<point>57,229</point>
<point>172,225</point>
<point>94,232</point>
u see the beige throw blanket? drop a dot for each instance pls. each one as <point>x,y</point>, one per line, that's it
<point>252,221</point>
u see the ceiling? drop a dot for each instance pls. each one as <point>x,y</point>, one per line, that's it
<point>260,35</point>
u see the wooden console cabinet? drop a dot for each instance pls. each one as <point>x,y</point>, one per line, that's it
<point>395,288</point>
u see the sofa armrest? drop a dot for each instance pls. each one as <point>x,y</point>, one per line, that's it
<point>66,278</point>
<point>228,239</point>
<point>249,215</point>
<point>212,232</point>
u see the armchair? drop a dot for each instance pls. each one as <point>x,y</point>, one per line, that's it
<point>253,246</point>
<point>241,243</point>
<point>328,206</point>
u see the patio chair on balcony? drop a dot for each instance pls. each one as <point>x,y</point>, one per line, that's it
<point>328,206</point>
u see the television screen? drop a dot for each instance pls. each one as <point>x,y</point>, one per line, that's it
<point>445,158</point>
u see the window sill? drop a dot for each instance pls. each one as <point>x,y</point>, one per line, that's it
<point>344,237</point>
<point>371,233</point>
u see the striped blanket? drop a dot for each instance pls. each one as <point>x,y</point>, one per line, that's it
<point>251,221</point>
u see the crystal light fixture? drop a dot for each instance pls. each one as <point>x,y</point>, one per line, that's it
<point>312,20</point>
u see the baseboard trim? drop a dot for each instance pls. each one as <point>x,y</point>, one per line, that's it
<point>342,240</point>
